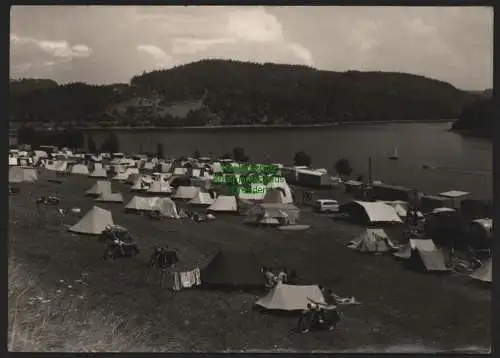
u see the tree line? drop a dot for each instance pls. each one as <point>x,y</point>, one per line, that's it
<point>236,93</point>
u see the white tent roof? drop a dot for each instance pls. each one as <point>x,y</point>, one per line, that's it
<point>18,175</point>
<point>291,297</point>
<point>372,240</point>
<point>159,187</point>
<point>80,169</point>
<point>121,176</point>
<point>100,187</point>
<point>276,196</point>
<point>454,194</point>
<point>94,222</point>
<point>257,192</point>
<point>166,207</point>
<point>142,203</point>
<point>280,182</point>
<point>110,198</point>
<point>442,210</point>
<point>202,198</point>
<point>379,212</point>
<point>13,161</point>
<point>224,203</point>
<point>186,192</point>
<point>484,273</point>
<point>98,172</point>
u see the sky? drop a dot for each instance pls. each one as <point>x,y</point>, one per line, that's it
<point>110,44</point>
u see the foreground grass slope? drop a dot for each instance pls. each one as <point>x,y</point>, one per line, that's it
<point>398,307</point>
<point>247,93</point>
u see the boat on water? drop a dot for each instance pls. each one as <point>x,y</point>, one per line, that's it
<point>394,155</point>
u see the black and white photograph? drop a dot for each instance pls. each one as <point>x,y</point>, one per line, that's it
<point>243,179</point>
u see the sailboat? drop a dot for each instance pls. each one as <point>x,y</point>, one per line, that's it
<point>395,155</point>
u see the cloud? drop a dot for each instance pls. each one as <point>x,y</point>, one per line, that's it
<point>53,48</point>
<point>447,43</point>
<point>160,57</point>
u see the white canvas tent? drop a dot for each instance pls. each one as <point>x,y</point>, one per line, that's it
<point>19,175</point>
<point>372,240</point>
<point>142,183</point>
<point>291,297</point>
<point>224,203</point>
<point>276,195</point>
<point>257,191</point>
<point>281,184</point>
<point>13,161</point>
<point>99,172</point>
<point>139,203</point>
<point>484,273</point>
<point>93,222</point>
<point>261,212</point>
<point>110,198</point>
<point>377,212</point>
<point>202,198</point>
<point>80,169</point>
<point>121,176</point>
<point>159,187</point>
<point>186,192</point>
<point>100,187</point>
<point>167,208</point>
<point>406,250</point>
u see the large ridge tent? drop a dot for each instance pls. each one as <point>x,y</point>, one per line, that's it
<point>139,203</point>
<point>428,261</point>
<point>372,240</point>
<point>100,187</point>
<point>285,297</point>
<point>371,212</point>
<point>167,208</point>
<point>233,270</point>
<point>484,273</point>
<point>93,222</point>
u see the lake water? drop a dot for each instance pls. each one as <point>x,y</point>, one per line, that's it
<point>460,163</point>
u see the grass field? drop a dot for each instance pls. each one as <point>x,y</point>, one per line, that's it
<point>118,306</point>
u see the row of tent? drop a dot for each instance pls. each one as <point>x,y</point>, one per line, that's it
<point>420,253</point>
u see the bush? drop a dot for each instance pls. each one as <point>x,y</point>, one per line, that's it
<point>302,158</point>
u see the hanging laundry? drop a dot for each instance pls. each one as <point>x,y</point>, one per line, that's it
<point>185,279</point>
<point>177,281</point>
<point>197,276</point>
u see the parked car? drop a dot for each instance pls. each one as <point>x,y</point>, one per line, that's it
<point>327,206</point>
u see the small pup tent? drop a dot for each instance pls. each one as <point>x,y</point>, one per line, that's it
<point>100,187</point>
<point>99,172</point>
<point>110,198</point>
<point>167,208</point>
<point>93,222</point>
<point>372,240</point>
<point>291,297</point>
<point>406,250</point>
<point>202,198</point>
<point>233,270</point>
<point>159,187</point>
<point>224,203</point>
<point>484,273</point>
<point>80,169</point>
<point>262,212</point>
<point>186,192</point>
<point>139,203</point>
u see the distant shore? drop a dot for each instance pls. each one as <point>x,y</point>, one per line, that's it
<point>255,126</point>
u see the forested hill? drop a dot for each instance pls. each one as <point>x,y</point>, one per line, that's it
<point>478,118</point>
<point>230,92</point>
